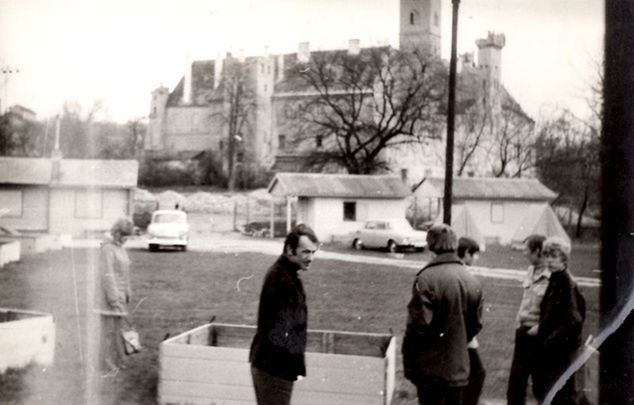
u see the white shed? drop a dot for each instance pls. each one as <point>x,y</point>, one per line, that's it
<point>499,206</point>
<point>65,196</point>
<point>337,204</point>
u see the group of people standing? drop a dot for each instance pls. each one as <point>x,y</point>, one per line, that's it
<point>440,346</point>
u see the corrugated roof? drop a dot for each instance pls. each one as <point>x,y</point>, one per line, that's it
<point>338,185</point>
<point>15,170</point>
<point>485,188</point>
<point>104,173</point>
<point>72,172</point>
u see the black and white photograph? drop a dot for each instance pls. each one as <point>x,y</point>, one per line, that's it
<point>316,202</point>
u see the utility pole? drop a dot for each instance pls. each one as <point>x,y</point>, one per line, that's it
<point>7,71</point>
<point>451,115</point>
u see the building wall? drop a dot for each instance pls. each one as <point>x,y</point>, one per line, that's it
<point>28,207</point>
<point>188,129</point>
<point>326,215</point>
<point>78,211</point>
<point>492,228</point>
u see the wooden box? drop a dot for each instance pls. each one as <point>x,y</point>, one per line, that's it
<point>209,365</point>
<point>25,337</point>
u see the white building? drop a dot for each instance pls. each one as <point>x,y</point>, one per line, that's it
<point>499,206</point>
<point>337,204</point>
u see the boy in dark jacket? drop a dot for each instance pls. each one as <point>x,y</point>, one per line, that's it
<point>562,314</point>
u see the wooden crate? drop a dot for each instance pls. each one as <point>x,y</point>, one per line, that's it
<point>25,337</point>
<point>209,365</point>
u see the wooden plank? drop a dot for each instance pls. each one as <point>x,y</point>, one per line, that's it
<point>210,391</point>
<point>192,400</point>
<point>390,371</point>
<point>203,370</point>
<point>216,394</point>
<point>203,352</point>
<point>367,381</point>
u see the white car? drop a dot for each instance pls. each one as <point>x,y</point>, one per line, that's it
<point>392,234</point>
<point>168,228</point>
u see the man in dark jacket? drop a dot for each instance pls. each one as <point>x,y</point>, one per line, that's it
<point>444,314</point>
<point>277,350</point>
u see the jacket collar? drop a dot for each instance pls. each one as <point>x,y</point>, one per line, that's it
<point>287,265</point>
<point>444,258</point>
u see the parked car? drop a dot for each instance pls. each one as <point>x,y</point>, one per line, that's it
<point>168,228</point>
<point>393,234</point>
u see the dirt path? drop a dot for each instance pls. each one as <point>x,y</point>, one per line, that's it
<point>205,240</point>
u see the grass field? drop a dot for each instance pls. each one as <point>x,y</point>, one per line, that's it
<point>182,290</point>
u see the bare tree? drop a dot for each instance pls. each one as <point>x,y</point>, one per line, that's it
<point>473,126</point>
<point>568,161</point>
<point>357,106</point>
<point>513,149</point>
<point>238,98</point>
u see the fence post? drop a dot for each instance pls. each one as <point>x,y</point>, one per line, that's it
<point>235,215</point>
<point>272,218</point>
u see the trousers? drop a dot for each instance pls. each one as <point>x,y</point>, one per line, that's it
<point>269,389</point>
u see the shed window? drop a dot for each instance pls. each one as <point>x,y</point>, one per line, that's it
<point>411,18</point>
<point>88,204</point>
<point>497,213</point>
<point>349,211</point>
<point>11,200</point>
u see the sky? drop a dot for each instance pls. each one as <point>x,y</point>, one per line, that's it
<point>117,51</point>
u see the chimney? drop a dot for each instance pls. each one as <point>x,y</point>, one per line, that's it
<point>218,70</point>
<point>279,69</point>
<point>303,53</point>
<point>56,155</point>
<point>187,85</point>
<point>354,47</point>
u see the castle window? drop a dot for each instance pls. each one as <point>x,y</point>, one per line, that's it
<point>221,146</point>
<point>266,87</point>
<point>154,111</point>
<point>411,18</point>
<point>436,19</point>
<point>281,141</point>
<point>318,141</point>
<point>240,156</point>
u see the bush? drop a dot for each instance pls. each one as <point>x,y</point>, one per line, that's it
<point>156,173</point>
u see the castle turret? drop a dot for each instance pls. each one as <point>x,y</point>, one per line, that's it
<point>490,55</point>
<point>420,25</point>
<point>154,138</point>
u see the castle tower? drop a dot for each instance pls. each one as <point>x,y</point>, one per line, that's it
<point>420,25</point>
<point>490,55</point>
<point>154,138</point>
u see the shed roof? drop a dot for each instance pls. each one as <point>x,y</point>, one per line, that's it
<point>491,188</point>
<point>338,185</point>
<point>72,172</point>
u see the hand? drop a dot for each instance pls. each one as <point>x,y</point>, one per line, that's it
<point>533,331</point>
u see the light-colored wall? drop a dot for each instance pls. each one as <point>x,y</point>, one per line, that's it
<point>325,215</point>
<point>514,212</point>
<point>34,210</point>
<point>77,211</point>
<point>188,129</point>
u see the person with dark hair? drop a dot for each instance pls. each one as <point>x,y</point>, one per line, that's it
<point>526,354</point>
<point>444,314</point>
<point>277,350</point>
<point>468,250</point>
<point>114,281</point>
